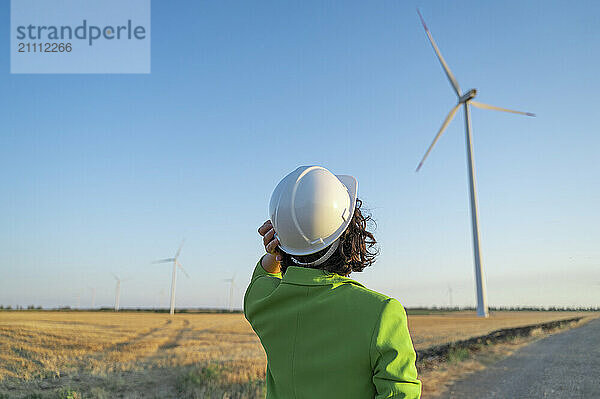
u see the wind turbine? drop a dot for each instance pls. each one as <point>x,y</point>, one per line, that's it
<point>466,99</point>
<point>117,292</point>
<point>174,277</point>
<point>231,284</point>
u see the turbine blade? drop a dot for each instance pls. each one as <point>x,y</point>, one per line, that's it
<point>183,270</point>
<point>444,126</point>
<point>179,250</point>
<point>493,107</point>
<point>168,260</point>
<point>115,276</point>
<point>451,78</point>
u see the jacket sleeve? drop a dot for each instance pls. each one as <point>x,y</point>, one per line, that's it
<point>393,356</point>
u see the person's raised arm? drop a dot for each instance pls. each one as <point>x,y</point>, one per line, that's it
<point>267,273</point>
<point>270,261</point>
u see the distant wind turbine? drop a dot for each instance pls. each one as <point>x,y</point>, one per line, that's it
<point>118,291</point>
<point>466,99</point>
<point>231,285</point>
<point>174,277</point>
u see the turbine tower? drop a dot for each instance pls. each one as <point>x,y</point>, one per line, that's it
<point>231,285</point>
<point>117,292</point>
<point>174,276</point>
<point>466,99</point>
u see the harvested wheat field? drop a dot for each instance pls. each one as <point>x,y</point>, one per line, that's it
<point>133,354</point>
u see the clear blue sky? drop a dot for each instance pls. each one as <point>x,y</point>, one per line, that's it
<point>106,173</point>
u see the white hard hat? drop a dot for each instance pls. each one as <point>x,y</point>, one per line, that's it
<point>310,209</point>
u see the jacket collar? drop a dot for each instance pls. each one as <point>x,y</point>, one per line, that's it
<point>305,276</point>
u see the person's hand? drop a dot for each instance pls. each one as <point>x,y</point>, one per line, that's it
<point>269,240</point>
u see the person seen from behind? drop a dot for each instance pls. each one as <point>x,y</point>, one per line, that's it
<point>325,335</point>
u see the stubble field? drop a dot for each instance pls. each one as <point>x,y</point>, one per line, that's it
<point>154,355</point>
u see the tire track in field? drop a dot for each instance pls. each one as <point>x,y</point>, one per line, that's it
<point>122,355</point>
<point>138,338</point>
<point>165,350</point>
<point>170,352</point>
<point>175,338</point>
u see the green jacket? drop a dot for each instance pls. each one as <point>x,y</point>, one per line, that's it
<point>327,336</point>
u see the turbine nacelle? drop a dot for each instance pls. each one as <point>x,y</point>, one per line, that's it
<point>467,96</point>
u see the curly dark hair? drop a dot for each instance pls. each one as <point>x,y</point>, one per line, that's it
<point>356,250</point>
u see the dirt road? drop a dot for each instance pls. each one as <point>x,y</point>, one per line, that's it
<point>565,365</point>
